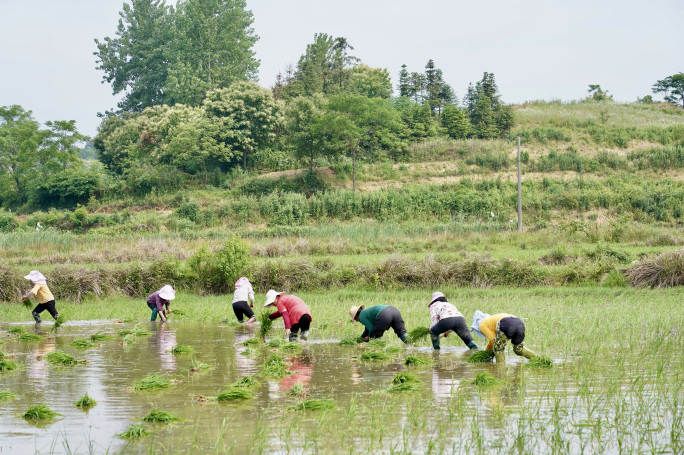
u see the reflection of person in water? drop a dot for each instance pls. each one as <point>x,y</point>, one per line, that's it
<point>37,369</point>
<point>165,341</point>
<point>246,365</point>
<point>304,370</point>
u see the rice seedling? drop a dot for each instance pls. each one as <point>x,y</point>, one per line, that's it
<point>136,430</point>
<point>40,412</point>
<point>540,361</point>
<point>246,381</point>
<point>401,378</point>
<point>62,358</point>
<point>27,303</point>
<point>85,402</point>
<point>351,340</point>
<point>416,361</point>
<point>8,365</point>
<point>7,395</point>
<point>139,331</point>
<point>485,379</point>
<point>393,350</point>
<point>297,390</point>
<point>248,351</point>
<point>58,322</point>
<point>291,346</point>
<point>405,387</point>
<point>276,342</point>
<point>30,337</point>
<point>16,330</point>
<point>198,367</point>
<point>418,333</point>
<point>266,324</point>
<point>177,312</point>
<point>234,393</point>
<point>230,322</point>
<point>182,349</point>
<point>376,343</point>
<point>274,366</point>
<point>481,357</point>
<point>252,342</point>
<point>314,405</point>
<point>125,332</point>
<point>151,381</point>
<point>128,339</point>
<point>82,343</point>
<point>99,336</point>
<point>374,355</point>
<point>156,415</point>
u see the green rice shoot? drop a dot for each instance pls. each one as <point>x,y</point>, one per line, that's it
<point>266,324</point>
<point>16,330</point>
<point>481,357</point>
<point>276,342</point>
<point>58,322</point>
<point>198,367</point>
<point>30,337</point>
<point>140,332</point>
<point>296,390</point>
<point>416,361</point>
<point>393,350</point>
<point>150,382</point>
<point>291,346</point>
<point>156,415</point>
<point>377,343</point>
<point>485,379</point>
<point>27,303</point>
<point>8,365</point>
<point>252,342</point>
<point>540,361</point>
<point>7,395</point>
<point>182,349</point>
<point>82,343</point>
<point>248,351</point>
<point>275,367</point>
<point>62,358</point>
<point>350,341</point>
<point>374,355</point>
<point>418,333</point>
<point>136,430</point>
<point>85,402</point>
<point>401,378</point>
<point>124,332</point>
<point>246,382</point>
<point>235,393</point>
<point>40,412</point>
<point>314,405</point>
<point>177,312</point>
<point>99,336</point>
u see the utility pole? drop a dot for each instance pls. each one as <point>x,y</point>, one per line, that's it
<point>519,192</point>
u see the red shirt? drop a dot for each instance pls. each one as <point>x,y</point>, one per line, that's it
<point>291,308</point>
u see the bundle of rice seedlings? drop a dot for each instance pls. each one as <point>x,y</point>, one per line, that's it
<point>139,331</point>
<point>401,378</point>
<point>413,360</point>
<point>405,387</point>
<point>128,339</point>
<point>156,415</point>
<point>99,336</point>
<point>393,350</point>
<point>182,349</point>
<point>136,430</point>
<point>58,322</point>
<point>40,412</point>
<point>16,329</point>
<point>245,382</point>
<point>27,303</point>
<point>266,324</point>
<point>377,343</point>
<point>274,366</point>
<point>481,357</point>
<point>276,342</point>
<point>124,332</point>
<point>7,395</point>
<point>234,393</point>
<point>540,361</point>
<point>485,379</point>
<point>30,337</point>
<point>82,343</point>
<point>62,358</point>
<point>198,366</point>
<point>291,346</point>
<point>314,405</point>
<point>151,381</point>
<point>248,351</point>
<point>351,340</point>
<point>297,390</point>
<point>177,312</point>
<point>85,402</point>
<point>8,365</point>
<point>418,333</point>
<point>252,342</point>
<point>374,355</point>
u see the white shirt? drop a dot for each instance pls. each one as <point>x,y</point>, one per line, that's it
<point>244,293</point>
<point>442,310</point>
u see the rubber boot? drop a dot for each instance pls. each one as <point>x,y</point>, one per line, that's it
<point>293,337</point>
<point>305,335</point>
<point>404,337</point>
<point>528,353</point>
<point>153,316</point>
<point>500,357</point>
<point>56,316</point>
<point>473,346</point>
<point>435,340</point>
<point>36,317</point>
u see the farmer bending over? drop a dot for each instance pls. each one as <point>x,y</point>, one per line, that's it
<point>243,293</point>
<point>45,298</point>
<point>296,315</point>
<point>498,329</point>
<point>377,319</point>
<point>445,318</point>
<point>160,299</point>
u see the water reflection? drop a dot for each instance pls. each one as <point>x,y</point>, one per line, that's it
<point>164,341</point>
<point>304,371</point>
<point>38,371</point>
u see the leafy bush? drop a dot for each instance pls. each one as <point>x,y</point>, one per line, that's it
<point>218,271</point>
<point>7,222</point>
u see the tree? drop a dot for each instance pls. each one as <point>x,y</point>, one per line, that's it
<point>597,94</point>
<point>673,87</point>
<point>455,121</point>
<point>306,129</point>
<point>489,117</point>
<point>403,81</point>
<point>135,63</point>
<point>370,82</point>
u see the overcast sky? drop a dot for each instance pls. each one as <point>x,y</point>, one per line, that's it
<point>537,49</point>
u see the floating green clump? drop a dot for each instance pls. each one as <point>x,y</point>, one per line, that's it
<point>296,390</point>
<point>152,381</point>
<point>40,412</point>
<point>485,379</point>
<point>7,395</point>
<point>248,351</point>
<point>393,350</point>
<point>540,361</point>
<point>401,378</point>
<point>413,360</point>
<point>252,342</point>
<point>99,336</point>
<point>134,431</point>
<point>377,343</point>
<point>156,415</point>
<point>245,382</point>
<point>62,358</point>
<point>418,333</point>
<point>16,329</point>
<point>85,402</point>
<point>266,324</point>
<point>124,332</point>
<point>8,365</point>
<point>314,405</point>
<point>198,366</point>
<point>481,357</point>
<point>374,355</point>
<point>82,343</point>
<point>291,346</point>
<point>182,349</point>
<point>276,342</point>
<point>275,367</point>
<point>30,337</point>
<point>351,341</point>
<point>405,382</point>
<point>234,393</point>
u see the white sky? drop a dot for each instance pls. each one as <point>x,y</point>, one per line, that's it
<point>537,49</point>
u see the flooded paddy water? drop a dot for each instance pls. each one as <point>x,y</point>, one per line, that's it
<point>583,404</point>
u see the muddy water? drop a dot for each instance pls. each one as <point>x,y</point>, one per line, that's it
<point>326,369</point>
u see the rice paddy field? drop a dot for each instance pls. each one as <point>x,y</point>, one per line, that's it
<point>614,386</point>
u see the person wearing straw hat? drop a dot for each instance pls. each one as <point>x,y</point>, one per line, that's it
<point>377,320</point>
<point>243,293</point>
<point>444,319</point>
<point>46,301</point>
<point>296,315</point>
<point>158,300</point>
<point>498,329</point>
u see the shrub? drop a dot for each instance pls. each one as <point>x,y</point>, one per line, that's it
<point>7,223</point>
<point>218,271</point>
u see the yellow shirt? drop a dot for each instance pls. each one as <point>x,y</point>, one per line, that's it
<point>488,327</point>
<point>42,292</point>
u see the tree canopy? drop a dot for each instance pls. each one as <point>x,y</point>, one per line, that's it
<point>672,87</point>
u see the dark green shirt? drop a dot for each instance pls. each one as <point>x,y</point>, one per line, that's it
<point>368,316</point>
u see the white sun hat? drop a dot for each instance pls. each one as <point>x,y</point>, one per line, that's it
<point>36,277</point>
<point>435,296</point>
<point>271,297</point>
<point>477,318</point>
<point>354,310</point>
<point>167,292</point>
